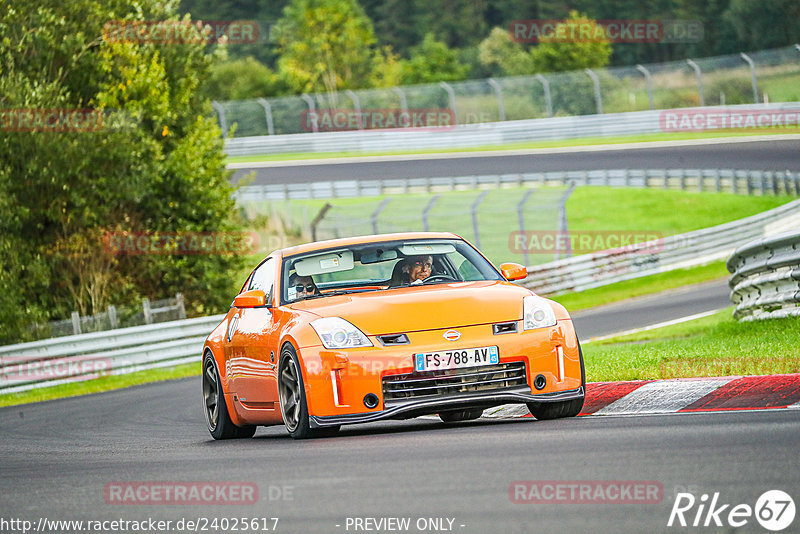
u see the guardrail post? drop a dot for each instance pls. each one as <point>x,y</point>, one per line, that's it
<point>452,96</point>
<point>112,316</point>
<point>376,214</point>
<point>501,109</point>
<point>598,98</point>
<point>403,102</point>
<point>312,109</point>
<point>223,124</point>
<point>318,219</point>
<point>357,107</point>
<point>268,114</point>
<point>180,305</point>
<point>521,219</point>
<point>699,75</point>
<point>649,82</point>
<point>548,101</point>
<point>754,80</point>
<point>148,314</point>
<point>76,323</point>
<point>475,228</point>
<point>427,210</point>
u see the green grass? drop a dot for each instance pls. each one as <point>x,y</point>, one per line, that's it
<point>105,383</point>
<point>637,287</point>
<point>716,345</point>
<point>584,141</point>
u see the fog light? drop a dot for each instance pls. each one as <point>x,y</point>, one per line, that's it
<point>371,400</point>
<point>539,382</point>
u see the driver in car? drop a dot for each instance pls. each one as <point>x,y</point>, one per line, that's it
<point>417,268</point>
<point>301,287</point>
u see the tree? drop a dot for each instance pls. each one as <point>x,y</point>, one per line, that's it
<point>571,54</point>
<point>152,162</point>
<point>432,61</point>
<point>242,79</point>
<point>325,45</point>
<point>503,56</point>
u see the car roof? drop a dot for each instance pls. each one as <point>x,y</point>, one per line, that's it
<point>360,240</point>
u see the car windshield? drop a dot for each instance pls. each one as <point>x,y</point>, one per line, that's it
<point>382,266</point>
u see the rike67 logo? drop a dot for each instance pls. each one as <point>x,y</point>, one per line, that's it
<point>774,510</point>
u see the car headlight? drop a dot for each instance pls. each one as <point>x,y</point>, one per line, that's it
<point>537,313</point>
<point>336,333</point>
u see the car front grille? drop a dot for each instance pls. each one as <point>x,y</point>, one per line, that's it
<point>454,381</point>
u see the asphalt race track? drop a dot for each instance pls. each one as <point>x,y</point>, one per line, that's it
<point>57,457</point>
<point>756,155</point>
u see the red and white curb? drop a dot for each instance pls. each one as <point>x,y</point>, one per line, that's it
<point>640,397</point>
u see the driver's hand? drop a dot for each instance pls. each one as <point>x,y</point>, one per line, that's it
<point>417,282</point>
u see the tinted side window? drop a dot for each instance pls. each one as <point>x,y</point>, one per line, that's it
<point>263,278</point>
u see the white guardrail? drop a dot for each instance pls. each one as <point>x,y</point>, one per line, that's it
<point>73,358</point>
<point>673,252</point>
<point>61,360</point>
<point>765,281</point>
<point>500,133</point>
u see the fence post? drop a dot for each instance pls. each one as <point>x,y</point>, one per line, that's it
<point>148,314</point>
<point>547,99</point>
<point>598,98</point>
<point>318,219</point>
<point>452,96</point>
<point>699,75</point>
<point>501,109</point>
<point>357,107</point>
<point>180,305</point>
<point>649,82</point>
<point>376,214</point>
<point>403,102</point>
<point>76,323</point>
<point>521,219</point>
<point>475,228</point>
<point>223,124</point>
<point>268,114</point>
<point>427,210</point>
<point>563,225</point>
<point>754,80</point>
<point>312,109</point>
<point>112,316</point>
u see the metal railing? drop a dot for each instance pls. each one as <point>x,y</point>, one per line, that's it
<point>723,80</point>
<point>588,271</point>
<point>67,359</point>
<point>765,281</point>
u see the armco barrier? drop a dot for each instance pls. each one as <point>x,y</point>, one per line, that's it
<point>53,361</point>
<point>674,252</point>
<point>745,182</point>
<point>765,281</point>
<point>472,135</point>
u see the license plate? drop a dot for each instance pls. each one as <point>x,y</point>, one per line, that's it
<point>453,359</point>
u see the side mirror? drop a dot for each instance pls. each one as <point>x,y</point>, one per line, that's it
<point>513,271</point>
<point>250,299</point>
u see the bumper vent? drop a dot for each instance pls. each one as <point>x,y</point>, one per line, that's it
<point>390,340</point>
<point>454,381</point>
<point>504,328</point>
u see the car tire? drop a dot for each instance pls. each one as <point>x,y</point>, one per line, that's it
<point>461,415</point>
<point>292,396</point>
<point>218,420</point>
<point>558,410</point>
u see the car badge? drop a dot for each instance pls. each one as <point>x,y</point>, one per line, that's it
<point>452,335</point>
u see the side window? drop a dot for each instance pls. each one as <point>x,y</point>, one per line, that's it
<point>263,278</point>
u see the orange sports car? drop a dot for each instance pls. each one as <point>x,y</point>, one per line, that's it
<point>386,327</point>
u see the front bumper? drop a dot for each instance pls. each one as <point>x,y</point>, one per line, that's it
<point>405,409</point>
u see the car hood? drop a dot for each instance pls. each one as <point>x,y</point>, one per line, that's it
<point>425,307</point>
